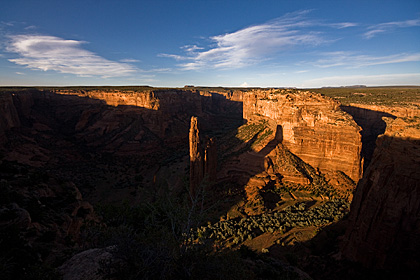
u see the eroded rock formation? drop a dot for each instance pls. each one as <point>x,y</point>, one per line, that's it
<point>312,127</point>
<point>384,218</point>
<point>196,158</point>
<point>203,158</point>
<point>90,264</point>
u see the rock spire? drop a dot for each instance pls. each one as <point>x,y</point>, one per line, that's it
<point>203,157</point>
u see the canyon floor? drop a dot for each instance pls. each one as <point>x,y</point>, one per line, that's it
<point>95,182</point>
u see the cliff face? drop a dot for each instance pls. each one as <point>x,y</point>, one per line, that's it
<point>369,118</point>
<point>312,127</point>
<point>166,112</point>
<point>372,124</point>
<point>9,116</point>
<point>169,101</point>
<point>123,123</point>
<point>384,218</point>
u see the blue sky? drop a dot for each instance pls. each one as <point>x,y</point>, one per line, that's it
<point>210,43</point>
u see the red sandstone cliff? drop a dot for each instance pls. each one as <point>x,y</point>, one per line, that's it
<point>384,219</point>
<point>311,126</point>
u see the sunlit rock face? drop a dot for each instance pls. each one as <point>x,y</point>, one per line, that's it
<point>311,126</point>
<point>384,229</point>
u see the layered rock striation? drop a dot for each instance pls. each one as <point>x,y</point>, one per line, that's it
<point>384,218</point>
<point>311,126</point>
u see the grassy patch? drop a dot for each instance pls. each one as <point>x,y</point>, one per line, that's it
<point>373,95</point>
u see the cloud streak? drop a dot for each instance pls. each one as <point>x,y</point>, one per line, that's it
<point>389,26</point>
<point>369,80</point>
<point>253,44</point>
<point>65,56</point>
<point>351,60</point>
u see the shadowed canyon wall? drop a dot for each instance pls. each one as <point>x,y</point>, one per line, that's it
<point>123,123</point>
<point>384,230</point>
<point>138,123</point>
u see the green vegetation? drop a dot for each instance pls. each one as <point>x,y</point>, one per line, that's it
<point>242,139</point>
<point>373,95</point>
<point>248,131</point>
<point>413,122</point>
<point>237,231</point>
<point>262,136</point>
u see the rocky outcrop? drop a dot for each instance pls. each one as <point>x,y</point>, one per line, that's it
<point>311,126</point>
<point>196,158</point>
<point>90,264</point>
<point>41,218</point>
<point>14,216</point>
<point>203,158</point>
<point>384,218</point>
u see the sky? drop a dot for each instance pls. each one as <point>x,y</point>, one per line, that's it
<point>245,43</point>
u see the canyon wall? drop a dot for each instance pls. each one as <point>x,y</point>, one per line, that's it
<point>384,227</point>
<point>369,118</point>
<point>311,126</point>
<point>169,110</point>
<point>118,122</point>
<point>170,101</point>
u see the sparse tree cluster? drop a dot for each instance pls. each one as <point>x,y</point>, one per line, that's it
<point>239,230</point>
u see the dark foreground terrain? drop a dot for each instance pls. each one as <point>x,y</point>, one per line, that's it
<point>116,183</point>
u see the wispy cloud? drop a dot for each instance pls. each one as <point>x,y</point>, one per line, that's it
<point>191,48</point>
<point>389,26</point>
<point>301,71</point>
<point>65,56</point>
<point>174,56</point>
<point>369,80</point>
<point>342,25</point>
<point>7,23</point>
<point>352,60</point>
<point>255,43</point>
<point>129,60</point>
<point>30,27</point>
